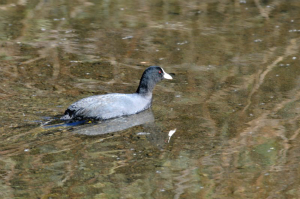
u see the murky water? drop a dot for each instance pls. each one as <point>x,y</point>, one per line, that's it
<point>234,100</point>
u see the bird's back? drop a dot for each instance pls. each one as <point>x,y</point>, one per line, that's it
<point>107,106</point>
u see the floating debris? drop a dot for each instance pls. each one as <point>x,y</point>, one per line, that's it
<point>171,133</point>
<point>143,133</point>
<point>257,40</point>
<point>182,43</point>
<point>128,37</point>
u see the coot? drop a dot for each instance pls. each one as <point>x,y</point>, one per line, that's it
<point>102,107</point>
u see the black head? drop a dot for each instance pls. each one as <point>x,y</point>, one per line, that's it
<point>150,78</point>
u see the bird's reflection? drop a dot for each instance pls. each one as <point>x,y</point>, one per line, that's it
<point>117,124</point>
<point>151,131</point>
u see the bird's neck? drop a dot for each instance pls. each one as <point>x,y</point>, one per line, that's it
<point>145,87</point>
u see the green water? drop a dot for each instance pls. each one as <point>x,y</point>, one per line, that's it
<point>234,99</point>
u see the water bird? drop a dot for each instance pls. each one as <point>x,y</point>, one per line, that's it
<point>103,107</point>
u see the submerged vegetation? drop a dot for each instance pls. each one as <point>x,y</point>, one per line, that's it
<point>234,100</point>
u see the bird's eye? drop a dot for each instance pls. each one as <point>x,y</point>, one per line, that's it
<point>159,71</point>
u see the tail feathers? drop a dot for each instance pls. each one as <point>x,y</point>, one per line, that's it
<point>65,117</point>
<point>68,115</point>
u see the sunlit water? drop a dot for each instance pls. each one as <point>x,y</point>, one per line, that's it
<point>234,100</point>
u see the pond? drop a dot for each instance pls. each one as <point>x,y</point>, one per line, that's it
<point>233,103</point>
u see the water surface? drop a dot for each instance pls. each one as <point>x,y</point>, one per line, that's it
<point>234,99</point>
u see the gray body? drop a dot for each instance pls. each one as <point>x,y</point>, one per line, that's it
<point>109,105</point>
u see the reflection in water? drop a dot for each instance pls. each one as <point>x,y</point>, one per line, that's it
<point>117,124</point>
<point>234,101</point>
